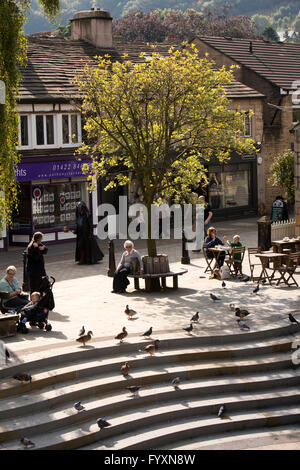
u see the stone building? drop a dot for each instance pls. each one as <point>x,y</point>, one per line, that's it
<point>273,69</point>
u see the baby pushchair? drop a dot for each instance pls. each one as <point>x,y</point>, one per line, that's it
<point>38,315</point>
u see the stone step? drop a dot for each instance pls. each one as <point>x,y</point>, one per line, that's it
<point>243,440</point>
<point>166,434</point>
<point>38,399</point>
<point>70,352</point>
<point>64,415</point>
<point>85,367</point>
<point>140,418</point>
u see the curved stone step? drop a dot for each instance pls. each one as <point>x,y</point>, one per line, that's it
<point>108,382</point>
<point>142,417</point>
<point>63,415</point>
<point>45,377</point>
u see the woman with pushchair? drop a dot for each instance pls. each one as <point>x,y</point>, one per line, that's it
<point>35,262</point>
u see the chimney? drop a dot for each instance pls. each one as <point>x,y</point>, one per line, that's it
<point>94,26</point>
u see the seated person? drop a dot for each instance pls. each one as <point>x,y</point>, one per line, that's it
<point>211,241</point>
<point>27,309</point>
<point>10,284</point>
<point>238,256</point>
<point>125,267</point>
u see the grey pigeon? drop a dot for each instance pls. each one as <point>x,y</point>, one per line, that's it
<point>243,325</point>
<point>224,284</point>
<point>221,411</point>
<point>292,318</point>
<point>175,382</point>
<point>148,332</point>
<point>27,442</point>
<point>256,289</point>
<point>214,297</point>
<point>189,328</point>
<point>232,307</point>
<point>82,331</point>
<point>102,423</point>
<point>133,389</point>
<point>241,313</point>
<point>78,406</point>
<point>246,278</point>
<point>195,317</point>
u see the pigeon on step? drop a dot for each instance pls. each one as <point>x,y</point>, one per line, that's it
<point>23,377</point>
<point>256,289</point>
<point>27,442</point>
<point>214,297</point>
<point>189,328</point>
<point>78,406</point>
<point>221,411</point>
<point>102,423</point>
<point>292,318</point>
<point>82,331</point>
<point>195,317</point>
<point>148,332</point>
<point>175,382</point>
<point>224,284</point>
<point>134,389</point>
<point>243,325</point>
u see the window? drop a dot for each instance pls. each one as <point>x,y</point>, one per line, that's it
<point>44,129</point>
<point>230,188</point>
<point>247,124</point>
<point>70,134</point>
<point>296,115</point>
<point>24,131</point>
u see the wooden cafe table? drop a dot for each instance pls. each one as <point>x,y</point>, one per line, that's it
<point>217,250</point>
<point>292,243</point>
<point>266,259</point>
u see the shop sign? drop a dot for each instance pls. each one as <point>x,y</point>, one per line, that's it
<point>248,157</point>
<point>49,170</point>
<point>37,192</point>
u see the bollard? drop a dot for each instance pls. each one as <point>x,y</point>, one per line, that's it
<point>26,284</point>
<point>185,259</point>
<point>112,261</point>
<point>264,233</point>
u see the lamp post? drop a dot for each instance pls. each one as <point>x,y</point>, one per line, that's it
<point>297,178</point>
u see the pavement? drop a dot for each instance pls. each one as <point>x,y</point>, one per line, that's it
<point>83,296</point>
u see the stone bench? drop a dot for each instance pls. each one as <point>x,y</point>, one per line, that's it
<point>8,324</point>
<point>162,276</point>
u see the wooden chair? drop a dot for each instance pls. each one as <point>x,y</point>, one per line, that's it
<point>252,264</point>
<point>208,260</point>
<point>234,263</point>
<point>287,270</point>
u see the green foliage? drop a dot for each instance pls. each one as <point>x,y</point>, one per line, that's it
<point>269,34</point>
<point>282,173</point>
<point>12,55</point>
<point>160,119</point>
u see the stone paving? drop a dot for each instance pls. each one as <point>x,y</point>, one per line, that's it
<point>83,297</point>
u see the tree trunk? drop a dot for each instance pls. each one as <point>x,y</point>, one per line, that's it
<point>151,246</point>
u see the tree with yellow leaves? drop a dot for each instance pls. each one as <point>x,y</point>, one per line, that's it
<point>159,119</point>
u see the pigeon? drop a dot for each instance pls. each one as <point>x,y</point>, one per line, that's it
<point>78,406</point>
<point>23,377</point>
<point>85,338</point>
<point>189,328</point>
<point>129,312</point>
<point>148,332</point>
<point>134,389</point>
<point>151,348</point>
<point>224,284</point>
<point>241,313</point>
<point>292,318</point>
<point>122,335</point>
<point>82,331</point>
<point>27,442</point>
<point>195,317</point>
<point>256,289</point>
<point>175,382</point>
<point>246,278</point>
<point>221,411</point>
<point>243,325</point>
<point>214,297</point>
<point>264,281</point>
<point>102,423</point>
<point>232,307</point>
<point>125,368</point>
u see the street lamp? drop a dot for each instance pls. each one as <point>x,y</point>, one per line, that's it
<point>296,131</point>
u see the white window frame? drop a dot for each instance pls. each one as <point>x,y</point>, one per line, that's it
<point>295,107</point>
<point>29,123</point>
<point>70,144</point>
<point>42,146</point>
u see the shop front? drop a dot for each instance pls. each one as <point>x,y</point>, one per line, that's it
<point>49,194</point>
<point>232,188</point>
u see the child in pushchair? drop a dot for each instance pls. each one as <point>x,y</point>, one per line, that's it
<point>37,310</point>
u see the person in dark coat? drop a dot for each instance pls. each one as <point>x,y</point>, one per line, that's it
<point>211,241</point>
<point>35,262</point>
<point>279,211</point>
<point>87,249</point>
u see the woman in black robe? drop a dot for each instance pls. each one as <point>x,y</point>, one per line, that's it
<point>87,249</point>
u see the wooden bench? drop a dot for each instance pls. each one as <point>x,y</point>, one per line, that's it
<point>163,276</point>
<point>8,325</point>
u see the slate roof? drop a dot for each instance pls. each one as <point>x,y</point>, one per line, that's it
<point>53,62</point>
<point>277,62</point>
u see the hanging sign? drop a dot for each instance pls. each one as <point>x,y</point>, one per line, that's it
<point>37,192</point>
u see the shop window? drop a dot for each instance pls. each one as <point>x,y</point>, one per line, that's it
<point>229,189</point>
<point>21,218</point>
<point>70,133</point>
<point>247,125</point>
<point>44,129</point>
<point>54,205</point>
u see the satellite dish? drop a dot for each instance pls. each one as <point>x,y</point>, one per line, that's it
<point>2,92</point>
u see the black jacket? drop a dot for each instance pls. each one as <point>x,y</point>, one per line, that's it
<point>35,261</point>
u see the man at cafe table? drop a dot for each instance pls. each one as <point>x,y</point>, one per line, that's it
<point>211,241</point>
